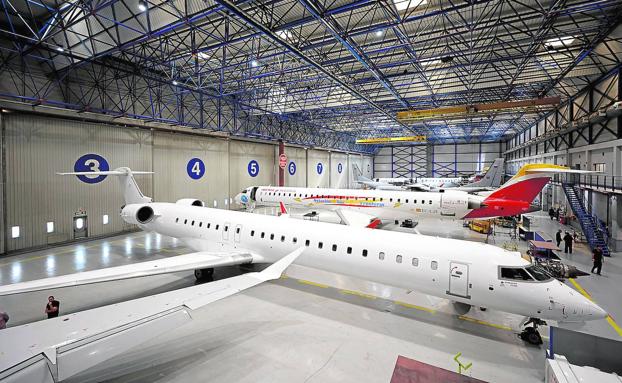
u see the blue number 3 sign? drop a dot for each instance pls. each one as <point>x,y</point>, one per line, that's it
<point>91,163</point>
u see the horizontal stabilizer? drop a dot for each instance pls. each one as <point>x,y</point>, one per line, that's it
<point>174,264</point>
<point>59,348</point>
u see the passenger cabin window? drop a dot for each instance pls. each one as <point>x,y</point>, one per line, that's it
<point>406,200</point>
<point>349,250</point>
<point>200,224</point>
<point>334,247</point>
<point>381,256</point>
<point>263,234</point>
<point>364,253</point>
<point>320,245</point>
<point>416,262</point>
<point>515,273</point>
<point>185,221</point>
<point>307,243</point>
<point>282,238</point>
<point>192,223</point>
<point>271,237</point>
<point>208,225</point>
<point>398,258</point>
<point>252,233</point>
<point>434,265</point>
<point>414,201</point>
<point>294,240</point>
<point>237,230</point>
<point>430,202</point>
<point>217,226</point>
<point>226,228</point>
<point>176,220</point>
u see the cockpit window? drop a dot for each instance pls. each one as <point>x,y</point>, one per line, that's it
<point>515,273</point>
<point>243,191</point>
<point>539,273</point>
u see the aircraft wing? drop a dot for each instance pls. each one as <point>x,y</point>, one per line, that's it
<point>191,261</point>
<point>56,349</point>
<point>417,186</point>
<point>354,218</point>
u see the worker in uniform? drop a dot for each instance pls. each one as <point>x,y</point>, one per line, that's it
<point>597,257</point>
<point>558,237</point>
<point>568,243</point>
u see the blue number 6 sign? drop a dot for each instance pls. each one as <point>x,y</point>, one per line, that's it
<point>292,168</point>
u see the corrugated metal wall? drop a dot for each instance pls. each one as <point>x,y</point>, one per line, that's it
<point>315,179</point>
<point>338,179</point>
<point>298,157</point>
<point>36,147</point>
<point>3,232</point>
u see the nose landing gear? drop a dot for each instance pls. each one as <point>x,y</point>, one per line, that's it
<point>531,334</point>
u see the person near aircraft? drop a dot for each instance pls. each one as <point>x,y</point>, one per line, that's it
<point>568,243</point>
<point>597,257</point>
<point>558,237</point>
<point>52,308</point>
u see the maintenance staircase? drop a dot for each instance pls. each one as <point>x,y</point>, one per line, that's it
<point>593,228</point>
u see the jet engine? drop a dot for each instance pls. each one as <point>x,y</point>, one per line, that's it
<point>137,214</point>
<point>190,202</point>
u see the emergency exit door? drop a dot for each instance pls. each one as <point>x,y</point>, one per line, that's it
<point>459,279</point>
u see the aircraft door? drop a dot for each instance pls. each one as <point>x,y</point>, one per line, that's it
<point>225,231</point>
<point>237,233</point>
<point>254,194</point>
<point>448,208</point>
<point>459,280</point>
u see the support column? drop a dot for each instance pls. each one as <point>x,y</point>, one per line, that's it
<point>281,170</point>
<point>615,229</point>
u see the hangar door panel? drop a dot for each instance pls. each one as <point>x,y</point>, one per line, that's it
<point>459,279</point>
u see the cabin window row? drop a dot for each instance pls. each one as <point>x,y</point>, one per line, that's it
<point>380,199</point>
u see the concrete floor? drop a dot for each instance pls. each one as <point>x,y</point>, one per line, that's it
<point>310,326</point>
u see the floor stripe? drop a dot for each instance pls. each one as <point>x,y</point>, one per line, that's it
<point>501,327</point>
<point>313,283</point>
<point>609,318</point>
<point>357,293</point>
<point>411,306</point>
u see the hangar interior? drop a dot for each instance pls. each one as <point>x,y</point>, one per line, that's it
<point>239,112</point>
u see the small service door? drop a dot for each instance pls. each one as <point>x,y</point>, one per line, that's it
<point>459,279</point>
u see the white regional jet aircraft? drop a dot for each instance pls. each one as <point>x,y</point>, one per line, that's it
<point>472,274</point>
<point>367,207</point>
<point>489,181</point>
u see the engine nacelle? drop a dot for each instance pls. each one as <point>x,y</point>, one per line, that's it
<point>190,202</point>
<point>137,214</point>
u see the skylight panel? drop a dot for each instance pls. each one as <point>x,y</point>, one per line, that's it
<point>402,5</point>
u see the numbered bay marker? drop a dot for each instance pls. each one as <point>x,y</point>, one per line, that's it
<point>339,167</point>
<point>91,163</point>
<point>253,168</point>
<point>320,167</point>
<point>291,168</point>
<point>195,168</point>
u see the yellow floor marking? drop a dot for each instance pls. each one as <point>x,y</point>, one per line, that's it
<point>411,306</point>
<point>357,293</point>
<point>501,327</point>
<point>609,318</point>
<point>313,283</point>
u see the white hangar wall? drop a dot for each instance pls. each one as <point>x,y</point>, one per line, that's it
<point>35,147</point>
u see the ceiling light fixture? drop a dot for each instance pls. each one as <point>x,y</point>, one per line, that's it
<point>175,82</point>
<point>402,5</point>
<point>254,63</point>
<point>379,33</point>
<point>142,6</point>
<point>60,49</point>
<point>559,41</point>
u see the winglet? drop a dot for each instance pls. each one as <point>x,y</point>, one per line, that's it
<point>275,270</point>
<point>283,209</point>
<point>374,224</point>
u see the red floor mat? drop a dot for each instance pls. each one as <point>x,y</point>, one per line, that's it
<point>411,371</point>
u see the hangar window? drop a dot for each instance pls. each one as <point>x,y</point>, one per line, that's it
<point>349,250</point>
<point>272,237</point>
<point>15,232</point>
<point>282,238</point>
<point>252,233</point>
<point>50,227</point>
<point>320,245</point>
<point>398,258</point>
<point>263,234</point>
<point>176,220</point>
<point>364,253</point>
<point>294,240</point>
<point>381,255</point>
<point>434,265</point>
<point>517,273</point>
<point>416,262</point>
<point>334,247</point>
<point>105,219</point>
<point>307,243</point>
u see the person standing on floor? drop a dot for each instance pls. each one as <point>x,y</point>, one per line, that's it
<point>52,308</point>
<point>551,213</point>
<point>568,243</point>
<point>597,257</point>
<point>558,237</point>
<point>4,317</point>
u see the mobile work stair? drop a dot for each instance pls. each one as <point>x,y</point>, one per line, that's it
<point>593,228</point>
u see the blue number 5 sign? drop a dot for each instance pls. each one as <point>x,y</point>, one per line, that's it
<point>253,168</point>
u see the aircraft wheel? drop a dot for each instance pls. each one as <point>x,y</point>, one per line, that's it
<point>203,274</point>
<point>531,336</point>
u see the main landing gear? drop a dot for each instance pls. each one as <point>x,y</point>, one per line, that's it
<point>531,334</point>
<point>203,274</point>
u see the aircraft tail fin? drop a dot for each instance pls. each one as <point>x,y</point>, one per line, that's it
<point>492,178</point>
<point>131,191</point>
